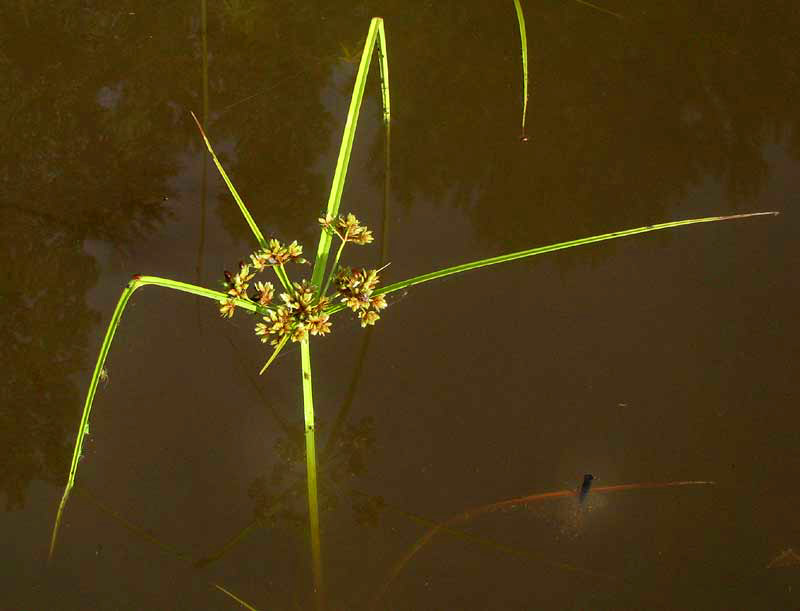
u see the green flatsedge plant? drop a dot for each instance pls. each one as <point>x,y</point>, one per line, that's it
<point>305,307</point>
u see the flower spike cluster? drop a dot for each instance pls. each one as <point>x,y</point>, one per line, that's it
<point>237,289</point>
<point>355,286</point>
<point>303,309</point>
<point>277,254</point>
<point>348,228</point>
<point>299,316</point>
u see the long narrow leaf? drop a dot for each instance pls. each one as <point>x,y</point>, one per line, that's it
<point>384,73</point>
<point>524,44</point>
<point>83,428</point>
<point>375,34</point>
<point>275,353</point>
<point>465,267</point>
<point>245,212</point>
<point>234,597</point>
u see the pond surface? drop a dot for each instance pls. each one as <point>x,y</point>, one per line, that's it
<point>659,358</point>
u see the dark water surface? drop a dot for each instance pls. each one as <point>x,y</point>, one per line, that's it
<point>656,358</point>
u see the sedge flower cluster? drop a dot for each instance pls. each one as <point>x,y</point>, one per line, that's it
<point>302,309</point>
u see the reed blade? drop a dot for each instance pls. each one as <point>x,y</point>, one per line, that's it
<point>523,38</point>
<point>465,267</point>
<point>234,597</point>
<point>136,283</point>
<point>275,353</point>
<point>245,212</point>
<point>375,35</point>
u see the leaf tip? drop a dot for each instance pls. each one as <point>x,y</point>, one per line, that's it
<point>199,126</point>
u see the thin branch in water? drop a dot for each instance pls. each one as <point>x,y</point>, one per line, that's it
<point>600,8</point>
<point>474,512</point>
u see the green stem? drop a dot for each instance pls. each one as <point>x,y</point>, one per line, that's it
<point>333,269</point>
<point>311,468</point>
<point>135,283</point>
<point>280,271</point>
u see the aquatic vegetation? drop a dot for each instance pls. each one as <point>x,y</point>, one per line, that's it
<point>523,38</point>
<point>305,308</point>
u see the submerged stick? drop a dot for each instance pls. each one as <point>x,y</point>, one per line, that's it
<point>490,543</point>
<point>474,512</point>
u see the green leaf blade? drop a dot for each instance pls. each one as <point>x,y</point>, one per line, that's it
<point>374,35</point>
<point>275,353</point>
<point>83,428</point>
<point>465,267</point>
<point>245,212</point>
<point>523,37</point>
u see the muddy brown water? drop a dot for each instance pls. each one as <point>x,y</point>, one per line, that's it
<point>651,359</point>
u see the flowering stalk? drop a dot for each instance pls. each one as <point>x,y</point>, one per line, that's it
<point>324,290</point>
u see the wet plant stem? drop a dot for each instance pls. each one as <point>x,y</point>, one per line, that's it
<point>333,267</point>
<point>311,471</point>
<point>280,271</point>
